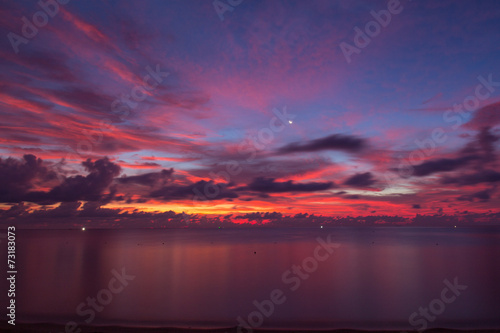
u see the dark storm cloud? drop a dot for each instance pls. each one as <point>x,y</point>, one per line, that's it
<point>148,179</point>
<point>482,196</point>
<point>361,180</point>
<point>347,143</point>
<point>483,176</point>
<point>65,209</point>
<point>416,206</point>
<point>260,167</point>
<point>17,177</point>
<point>442,165</point>
<point>89,188</point>
<point>269,185</point>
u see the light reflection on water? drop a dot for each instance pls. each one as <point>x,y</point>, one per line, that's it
<point>375,279</point>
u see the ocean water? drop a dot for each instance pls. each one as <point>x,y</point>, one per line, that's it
<point>366,278</point>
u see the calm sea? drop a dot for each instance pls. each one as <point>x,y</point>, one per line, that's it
<point>365,278</point>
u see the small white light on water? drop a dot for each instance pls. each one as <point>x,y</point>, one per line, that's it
<point>321,227</point>
<point>83,229</point>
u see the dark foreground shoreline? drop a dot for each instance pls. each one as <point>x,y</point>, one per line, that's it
<point>55,328</point>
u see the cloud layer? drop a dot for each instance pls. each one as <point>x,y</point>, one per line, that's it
<point>113,107</point>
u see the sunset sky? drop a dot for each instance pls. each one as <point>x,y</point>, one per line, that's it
<point>265,106</point>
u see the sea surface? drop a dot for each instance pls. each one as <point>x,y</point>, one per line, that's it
<point>359,278</point>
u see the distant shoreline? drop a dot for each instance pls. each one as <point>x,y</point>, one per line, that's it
<point>264,226</point>
<point>56,328</point>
